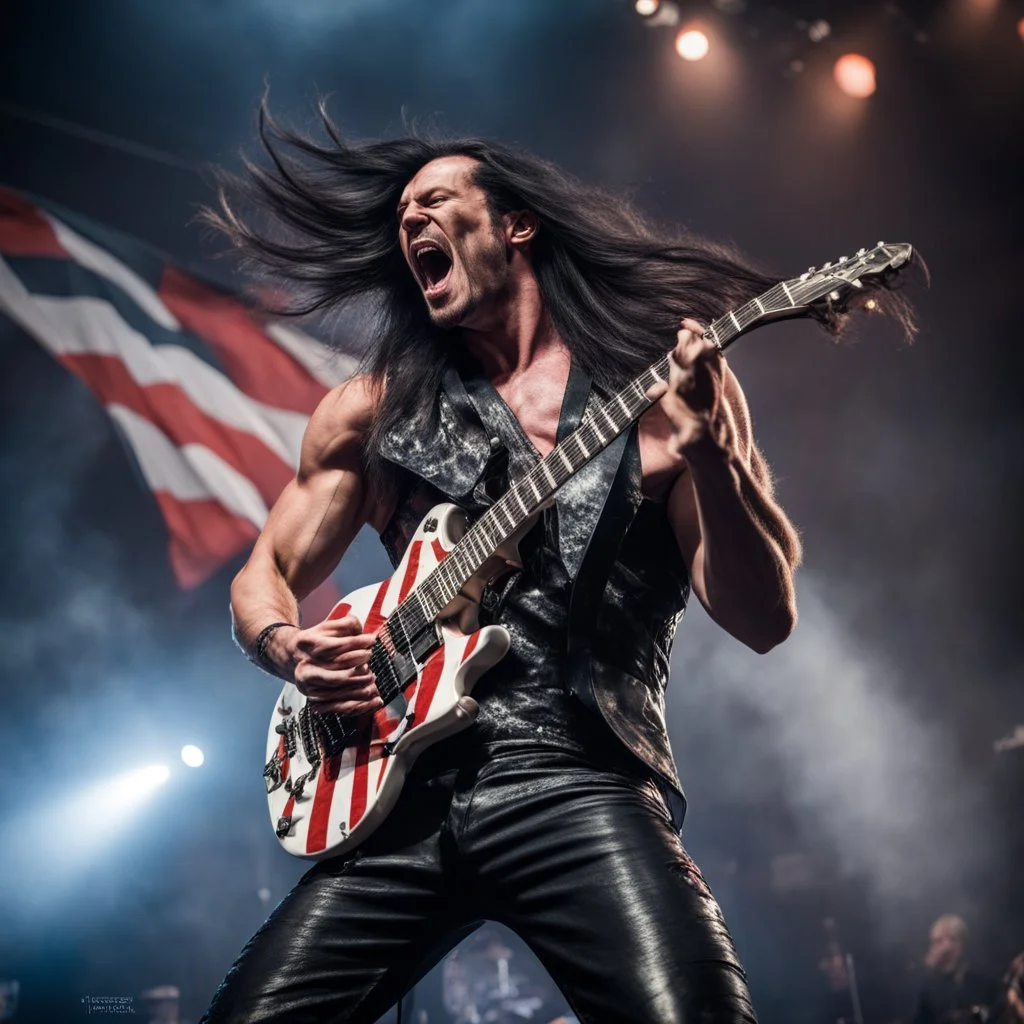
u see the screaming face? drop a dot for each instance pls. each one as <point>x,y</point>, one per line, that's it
<point>456,252</point>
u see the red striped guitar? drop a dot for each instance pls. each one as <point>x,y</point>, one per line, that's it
<point>330,779</point>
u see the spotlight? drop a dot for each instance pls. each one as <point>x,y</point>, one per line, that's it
<point>646,7</point>
<point>855,75</point>
<point>192,755</point>
<point>133,787</point>
<point>1020,29</point>
<point>692,44</point>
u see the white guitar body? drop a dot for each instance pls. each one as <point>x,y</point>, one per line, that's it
<point>344,797</point>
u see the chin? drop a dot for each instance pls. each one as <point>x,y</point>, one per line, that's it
<point>450,316</point>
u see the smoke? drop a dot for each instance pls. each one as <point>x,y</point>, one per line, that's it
<point>862,772</point>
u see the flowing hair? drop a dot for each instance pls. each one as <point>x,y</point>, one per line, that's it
<point>321,216</point>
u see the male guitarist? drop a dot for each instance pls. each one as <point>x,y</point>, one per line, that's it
<point>507,297</point>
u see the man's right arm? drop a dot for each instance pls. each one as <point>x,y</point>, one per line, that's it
<point>309,528</point>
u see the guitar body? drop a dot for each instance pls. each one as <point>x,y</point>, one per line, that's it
<point>323,801</point>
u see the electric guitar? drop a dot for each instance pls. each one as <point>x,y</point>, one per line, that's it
<point>331,779</point>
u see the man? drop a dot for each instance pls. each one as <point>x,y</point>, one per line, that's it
<point>506,299</point>
<point>953,992</point>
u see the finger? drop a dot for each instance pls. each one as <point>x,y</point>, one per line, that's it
<point>335,695</point>
<point>355,660</point>
<point>318,645</point>
<point>346,624</point>
<point>315,679</point>
<point>351,709</point>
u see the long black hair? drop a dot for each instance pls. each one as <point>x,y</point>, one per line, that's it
<point>322,216</point>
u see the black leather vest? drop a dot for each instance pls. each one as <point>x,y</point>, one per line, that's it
<point>594,611</point>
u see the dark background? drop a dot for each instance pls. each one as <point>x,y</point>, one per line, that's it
<point>856,761</point>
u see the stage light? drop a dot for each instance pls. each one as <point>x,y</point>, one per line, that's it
<point>819,30</point>
<point>646,7</point>
<point>192,755</point>
<point>1020,29</point>
<point>133,787</point>
<point>855,75</point>
<point>692,44</point>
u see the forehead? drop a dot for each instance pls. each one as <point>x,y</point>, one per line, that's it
<point>450,172</point>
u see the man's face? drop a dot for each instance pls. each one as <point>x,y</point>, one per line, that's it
<point>945,947</point>
<point>456,252</point>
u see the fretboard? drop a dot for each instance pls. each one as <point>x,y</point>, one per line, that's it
<point>527,495</point>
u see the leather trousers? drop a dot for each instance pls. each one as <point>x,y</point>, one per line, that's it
<point>579,859</point>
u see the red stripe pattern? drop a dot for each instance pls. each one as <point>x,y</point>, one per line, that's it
<point>213,504</point>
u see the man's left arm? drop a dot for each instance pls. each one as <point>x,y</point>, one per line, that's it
<point>740,548</point>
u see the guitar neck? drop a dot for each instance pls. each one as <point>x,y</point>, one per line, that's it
<point>527,495</point>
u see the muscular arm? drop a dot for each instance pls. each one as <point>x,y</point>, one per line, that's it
<point>312,523</point>
<point>740,548</point>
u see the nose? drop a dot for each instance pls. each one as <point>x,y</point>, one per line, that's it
<point>413,220</point>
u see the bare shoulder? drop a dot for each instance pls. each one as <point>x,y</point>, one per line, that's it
<point>339,423</point>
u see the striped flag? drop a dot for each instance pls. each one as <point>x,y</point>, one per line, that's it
<point>211,401</point>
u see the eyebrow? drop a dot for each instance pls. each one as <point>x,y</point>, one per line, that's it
<point>428,194</point>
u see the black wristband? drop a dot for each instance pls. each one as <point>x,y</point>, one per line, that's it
<point>259,648</point>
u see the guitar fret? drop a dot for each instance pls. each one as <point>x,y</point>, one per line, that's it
<point>606,421</point>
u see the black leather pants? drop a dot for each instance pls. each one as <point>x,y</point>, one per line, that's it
<point>582,862</point>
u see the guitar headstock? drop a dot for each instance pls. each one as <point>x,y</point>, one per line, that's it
<point>834,283</point>
<point>822,292</point>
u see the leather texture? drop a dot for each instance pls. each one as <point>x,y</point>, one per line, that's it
<point>576,852</point>
<point>595,610</point>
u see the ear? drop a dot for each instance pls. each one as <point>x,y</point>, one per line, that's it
<point>520,227</point>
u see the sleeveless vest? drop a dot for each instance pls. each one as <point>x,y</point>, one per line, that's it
<point>594,611</point>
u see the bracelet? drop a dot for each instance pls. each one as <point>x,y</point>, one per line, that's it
<point>259,648</point>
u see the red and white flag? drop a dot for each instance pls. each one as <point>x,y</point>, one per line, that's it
<point>211,400</point>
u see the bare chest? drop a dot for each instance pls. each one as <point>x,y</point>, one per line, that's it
<point>535,398</point>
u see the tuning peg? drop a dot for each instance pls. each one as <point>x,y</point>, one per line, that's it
<point>862,252</point>
<point>825,266</point>
<point>880,244</point>
<point>810,270</point>
<point>803,277</point>
<point>843,259</point>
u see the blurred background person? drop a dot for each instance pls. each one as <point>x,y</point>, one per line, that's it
<point>953,991</point>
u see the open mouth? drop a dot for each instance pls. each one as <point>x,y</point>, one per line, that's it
<point>433,267</point>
